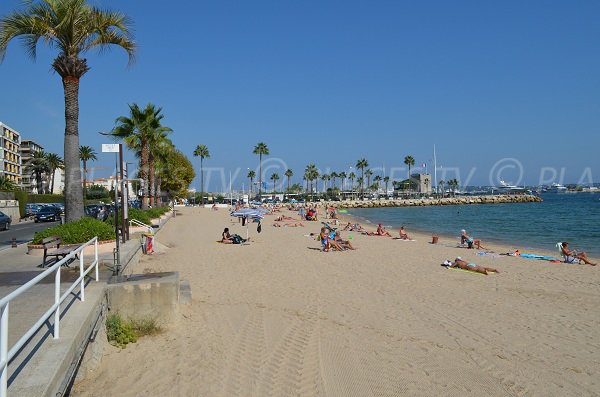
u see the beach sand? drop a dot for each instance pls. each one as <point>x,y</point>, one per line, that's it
<point>279,317</point>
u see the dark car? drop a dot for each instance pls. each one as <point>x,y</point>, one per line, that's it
<point>5,221</point>
<point>47,214</point>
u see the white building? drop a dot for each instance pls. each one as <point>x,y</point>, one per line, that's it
<point>10,156</point>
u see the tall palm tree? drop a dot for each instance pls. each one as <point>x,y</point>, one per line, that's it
<point>409,161</point>
<point>368,174</point>
<point>361,165</point>
<point>352,177</point>
<point>288,173</point>
<point>158,147</point>
<point>386,180</point>
<point>86,153</point>
<point>325,178</point>
<point>333,176</point>
<point>54,162</point>
<point>377,180</point>
<point>251,176</point>
<point>342,176</point>
<point>136,131</point>
<point>73,27</point>
<point>202,152</point>
<point>260,149</point>
<point>312,174</point>
<point>7,184</point>
<point>38,167</point>
<point>274,178</point>
<point>441,187</point>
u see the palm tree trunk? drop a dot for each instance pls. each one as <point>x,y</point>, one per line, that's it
<point>84,181</point>
<point>144,172</point>
<point>73,188</point>
<point>202,178</point>
<point>151,177</point>
<point>52,185</point>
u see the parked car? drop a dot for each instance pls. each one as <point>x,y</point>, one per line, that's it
<point>47,214</point>
<point>31,209</point>
<point>5,221</point>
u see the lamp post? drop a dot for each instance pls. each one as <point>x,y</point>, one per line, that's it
<point>117,149</point>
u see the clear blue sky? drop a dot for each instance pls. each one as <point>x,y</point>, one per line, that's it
<point>331,82</point>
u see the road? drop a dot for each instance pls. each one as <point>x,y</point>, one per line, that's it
<point>23,232</point>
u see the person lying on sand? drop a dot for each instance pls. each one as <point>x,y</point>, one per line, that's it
<point>283,218</point>
<point>297,224</point>
<point>461,264</point>
<point>571,255</point>
<point>380,232</point>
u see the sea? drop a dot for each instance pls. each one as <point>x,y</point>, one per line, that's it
<point>572,217</point>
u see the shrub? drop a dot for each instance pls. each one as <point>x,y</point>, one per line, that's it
<point>22,197</point>
<point>78,232</point>
<point>157,212</point>
<point>46,198</point>
<point>140,215</point>
<point>120,332</point>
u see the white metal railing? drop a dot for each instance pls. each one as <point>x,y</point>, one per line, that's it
<point>135,222</point>
<point>7,355</point>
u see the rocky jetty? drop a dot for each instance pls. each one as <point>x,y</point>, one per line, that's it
<point>496,199</point>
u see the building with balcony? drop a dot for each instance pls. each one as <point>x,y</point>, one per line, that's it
<point>10,156</point>
<point>28,150</point>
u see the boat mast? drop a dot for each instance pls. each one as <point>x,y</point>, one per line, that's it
<point>435,170</point>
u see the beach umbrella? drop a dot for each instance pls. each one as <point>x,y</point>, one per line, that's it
<point>248,213</point>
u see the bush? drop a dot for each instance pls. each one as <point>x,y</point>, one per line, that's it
<point>139,215</point>
<point>78,232</point>
<point>154,213</point>
<point>22,197</point>
<point>96,192</point>
<point>46,198</point>
<point>120,332</point>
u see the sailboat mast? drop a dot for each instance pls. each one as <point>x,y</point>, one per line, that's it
<point>435,170</point>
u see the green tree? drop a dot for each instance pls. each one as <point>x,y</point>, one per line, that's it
<point>38,167</point>
<point>7,184</point>
<point>361,165</point>
<point>369,174</point>
<point>202,152</point>
<point>97,192</point>
<point>177,174</point>
<point>86,153</point>
<point>262,150</point>
<point>453,184</point>
<point>161,148</point>
<point>289,174</point>
<point>377,181</point>
<point>55,162</point>
<point>73,27</point>
<point>342,175</point>
<point>251,176</point>
<point>352,177</point>
<point>312,174</point>
<point>136,131</point>
<point>274,178</point>
<point>386,180</point>
<point>409,161</point>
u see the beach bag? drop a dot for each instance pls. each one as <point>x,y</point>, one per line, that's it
<point>236,239</point>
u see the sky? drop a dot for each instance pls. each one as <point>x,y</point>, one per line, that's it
<point>504,89</point>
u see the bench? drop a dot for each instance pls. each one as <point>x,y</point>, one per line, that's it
<point>52,248</point>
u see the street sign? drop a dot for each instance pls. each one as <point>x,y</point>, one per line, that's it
<point>110,148</point>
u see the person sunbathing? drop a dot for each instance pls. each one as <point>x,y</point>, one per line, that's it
<point>297,224</point>
<point>403,235</point>
<point>472,267</point>
<point>571,255</point>
<point>327,242</point>
<point>470,241</point>
<point>343,243</point>
<point>282,218</point>
<point>380,232</point>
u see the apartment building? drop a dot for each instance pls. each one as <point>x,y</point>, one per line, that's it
<point>28,149</point>
<point>10,156</point>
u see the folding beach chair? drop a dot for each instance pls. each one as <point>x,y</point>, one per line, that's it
<point>567,258</point>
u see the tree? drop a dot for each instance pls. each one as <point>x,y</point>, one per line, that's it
<point>409,161</point>
<point>342,176</point>
<point>54,162</point>
<point>177,174</point>
<point>377,181</point>
<point>86,153</point>
<point>325,178</point>
<point>333,177</point>
<point>73,27</point>
<point>441,187</point>
<point>312,174</point>
<point>38,167</point>
<point>202,152</point>
<point>352,177</point>
<point>158,145</point>
<point>260,149</point>
<point>288,173</point>
<point>7,184</point>
<point>251,176</point>
<point>453,184</point>
<point>386,180</point>
<point>136,131</point>
<point>361,165</point>
<point>368,174</point>
<point>97,192</point>
<point>274,178</point>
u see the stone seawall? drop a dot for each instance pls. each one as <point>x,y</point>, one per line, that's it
<point>497,199</point>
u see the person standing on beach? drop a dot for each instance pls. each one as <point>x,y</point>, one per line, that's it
<point>301,213</point>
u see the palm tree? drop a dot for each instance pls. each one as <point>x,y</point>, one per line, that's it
<point>352,177</point>
<point>251,176</point>
<point>274,178</point>
<point>325,178</point>
<point>368,174</point>
<point>386,180</point>
<point>159,146</point>
<point>202,152</point>
<point>38,167</point>
<point>260,149</point>
<point>342,176</point>
<point>73,27</point>
<point>86,153</point>
<point>333,176</point>
<point>441,187</point>
<point>377,181</point>
<point>7,184</point>
<point>288,173</point>
<point>54,162</point>
<point>362,164</point>
<point>409,161</point>
<point>137,131</point>
<point>312,174</point>
<point>453,184</point>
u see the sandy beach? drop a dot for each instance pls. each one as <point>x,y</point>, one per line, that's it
<point>278,317</point>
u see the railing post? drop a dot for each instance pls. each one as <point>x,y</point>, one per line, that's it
<point>96,255</point>
<point>57,303</point>
<point>4,350</point>
<point>82,282</point>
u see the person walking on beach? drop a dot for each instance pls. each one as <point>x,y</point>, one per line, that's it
<point>571,255</point>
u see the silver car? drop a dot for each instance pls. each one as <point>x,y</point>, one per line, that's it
<point>5,221</point>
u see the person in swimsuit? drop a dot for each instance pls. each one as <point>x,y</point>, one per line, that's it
<point>571,255</point>
<point>403,235</point>
<point>461,264</point>
<point>226,237</point>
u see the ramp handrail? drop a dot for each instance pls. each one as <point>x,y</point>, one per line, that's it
<point>7,355</point>
<point>135,222</point>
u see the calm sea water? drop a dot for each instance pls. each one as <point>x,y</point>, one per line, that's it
<point>571,217</point>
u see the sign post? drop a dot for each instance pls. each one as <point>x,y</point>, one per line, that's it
<point>116,148</point>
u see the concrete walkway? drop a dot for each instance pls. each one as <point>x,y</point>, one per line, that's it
<point>40,367</point>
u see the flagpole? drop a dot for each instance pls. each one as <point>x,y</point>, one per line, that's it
<point>435,170</point>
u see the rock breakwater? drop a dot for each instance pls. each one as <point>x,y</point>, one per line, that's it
<point>496,199</point>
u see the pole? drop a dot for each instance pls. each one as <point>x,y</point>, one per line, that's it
<point>124,211</point>
<point>118,264</point>
<point>435,170</point>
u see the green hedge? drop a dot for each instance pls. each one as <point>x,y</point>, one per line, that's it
<point>46,198</point>
<point>22,197</point>
<point>78,232</point>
